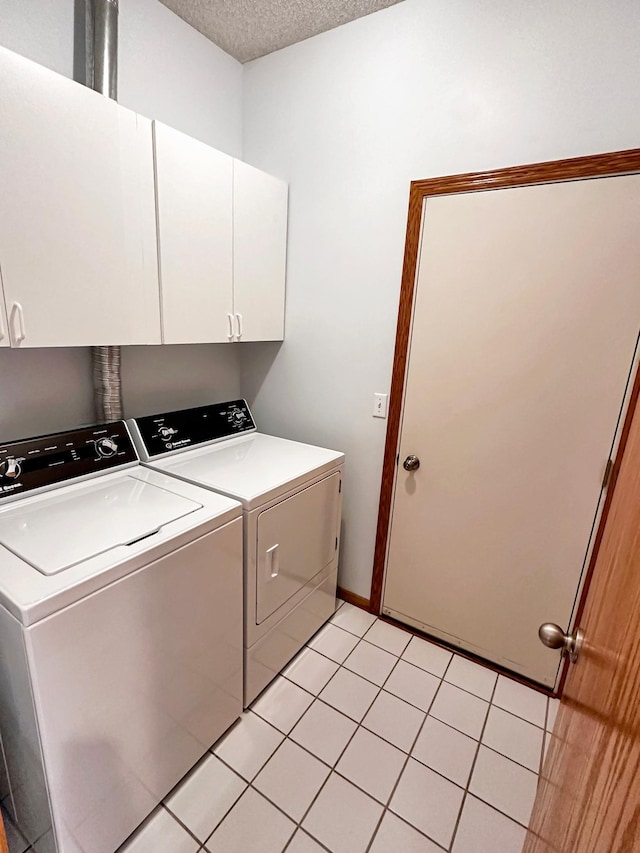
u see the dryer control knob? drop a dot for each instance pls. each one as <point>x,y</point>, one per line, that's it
<point>10,468</point>
<point>106,447</point>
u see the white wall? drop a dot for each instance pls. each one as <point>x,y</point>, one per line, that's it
<point>41,30</point>
<point>168,71</point>
<point>349,118</point>
<point>160,379</point>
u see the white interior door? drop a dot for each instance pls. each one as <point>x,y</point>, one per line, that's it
<point>195,185</point>
<point>259,253</point>
<point>77,213</point>
<point>525,325</point>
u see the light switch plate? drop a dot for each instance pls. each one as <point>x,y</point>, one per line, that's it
<point>380,405</point>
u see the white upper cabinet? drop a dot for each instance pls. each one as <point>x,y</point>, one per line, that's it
<point>222,231</point>
<point>94,251</point>
<point>259,253</point>
<point>78,251</point>
<point>194,186</point>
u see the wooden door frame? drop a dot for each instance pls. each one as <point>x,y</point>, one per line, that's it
<point>598,165</point>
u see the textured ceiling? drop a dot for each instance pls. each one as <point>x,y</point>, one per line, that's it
<point>250,28</point>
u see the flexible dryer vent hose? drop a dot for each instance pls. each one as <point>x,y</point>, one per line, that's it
<point>101,47</point>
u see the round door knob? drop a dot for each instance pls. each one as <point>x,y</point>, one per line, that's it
<point>553,637</point>
<point>411,463</point>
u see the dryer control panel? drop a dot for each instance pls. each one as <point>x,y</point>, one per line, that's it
<point>171,431</point>
<point>47,460</point>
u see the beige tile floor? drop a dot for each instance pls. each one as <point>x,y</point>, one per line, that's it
<point>371,741</point>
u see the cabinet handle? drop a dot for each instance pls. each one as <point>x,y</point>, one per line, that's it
<point>273,563</point>
<point>17,311</point>
<point>239,322</point>
<point>230,332</point>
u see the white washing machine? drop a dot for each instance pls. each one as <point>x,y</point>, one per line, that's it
<point>120,634</point>
<point>291,495</point>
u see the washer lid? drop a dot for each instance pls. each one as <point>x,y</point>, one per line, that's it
<point>61,531</point>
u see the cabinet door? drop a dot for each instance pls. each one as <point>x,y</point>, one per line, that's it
<point>259,253</point>
<point>194,185</point>
<point>77,243</point>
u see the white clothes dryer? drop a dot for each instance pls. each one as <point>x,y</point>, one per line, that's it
<point>120,615</point>
<point>291,495</point>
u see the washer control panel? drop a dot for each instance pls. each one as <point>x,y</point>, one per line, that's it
<point>171,431</point>
<point>46,460</point>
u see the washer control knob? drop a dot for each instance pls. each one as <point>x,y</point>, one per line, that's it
<point>238,417</point>
<point>166,433</point>
<point>10,468</point>
<point>106,447</point>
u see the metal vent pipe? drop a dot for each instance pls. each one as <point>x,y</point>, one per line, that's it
<point>101,52</point>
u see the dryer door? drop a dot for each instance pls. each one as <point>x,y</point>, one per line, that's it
<point>296,539</point>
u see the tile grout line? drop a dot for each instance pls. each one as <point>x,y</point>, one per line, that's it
<point>346,746</point>
<point>247,784</point>
<point>477,796</point>
<point>180,823</point>
<point>408,663</point>
<point>257,699</point>
<point>499,811</point>
<point>429,672</point>
<point>330,767</point>
<point>360,724</point>
<point>461,652</point>
<point>378,621</point>
<point>441,677</point>
<point>352,737</point>
<point>353,633</point>
<point>379,687</point>
<point>250,785</point>
<point>299,828</point>
<point>334,766</point>
<point>384,681</point>
<point>473,767</point>
<point>508,757</point>
<point>324,702</point>
<point>406,761</point>
<point>333,769</point>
